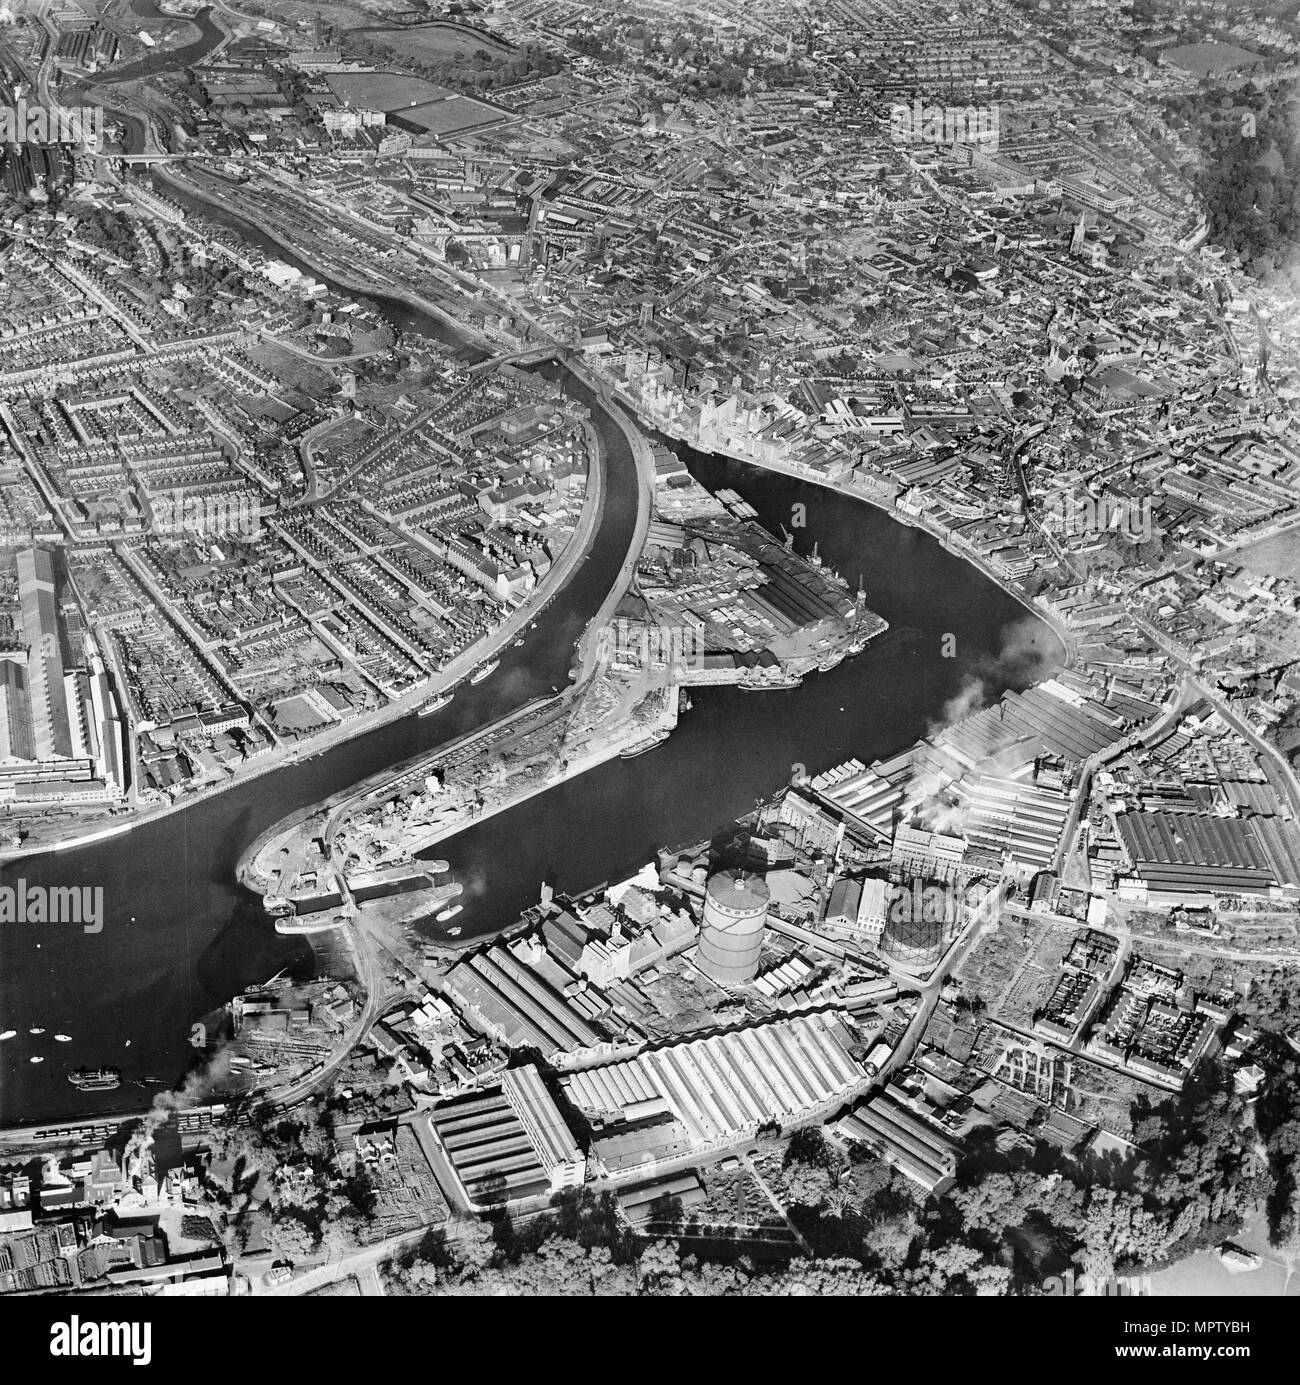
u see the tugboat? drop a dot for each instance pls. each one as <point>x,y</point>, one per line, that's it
<point>95,1079</point>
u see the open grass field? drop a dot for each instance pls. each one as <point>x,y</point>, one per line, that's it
<point>432,43</point>
<point>1204,1275</point>
<point>1204,58</point>
<point>383,91</point>
<point>1275,557</point>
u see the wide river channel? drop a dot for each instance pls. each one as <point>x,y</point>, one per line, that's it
<point>180,936</point>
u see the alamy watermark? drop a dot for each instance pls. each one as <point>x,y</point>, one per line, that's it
<point>1072,1285</point>
<point>95,1338</point>
<point>945,126</point>
<point>913,901</point>
<point>650,646</point>
<point>1123,515</point>
<point>213,514</point>
<point>80,125</point>
<point>79,904</point>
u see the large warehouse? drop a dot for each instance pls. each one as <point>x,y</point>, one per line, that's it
<point>721,1089</point>
<point>1187,852</point>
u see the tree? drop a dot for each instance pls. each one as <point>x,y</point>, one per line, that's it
<point>292,1238</point>
<point>474,1249</point>
<point>659,1264</point>
<point>806,1184</point>
<point>838,1201</point>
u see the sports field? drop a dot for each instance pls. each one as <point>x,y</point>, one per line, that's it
<point>451,116</point>
<point>383,91</point>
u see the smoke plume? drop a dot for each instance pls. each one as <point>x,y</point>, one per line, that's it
<point>1025,658</point>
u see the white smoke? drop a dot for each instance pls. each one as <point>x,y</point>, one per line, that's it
<point>192,1092</point>
<point>473,885</point>
<point>1023,659</point>
<point>971,697</point>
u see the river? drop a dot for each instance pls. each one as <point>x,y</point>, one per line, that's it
<point>180,936</point>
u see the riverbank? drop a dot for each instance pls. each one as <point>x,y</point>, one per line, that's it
<point>340,274</point>
<point>643,459</point>
<point>918,520</point>
<point>255,879</point>
<point>610,391</point>
<point>574,552</point>
<point>585,667</point>
<point>181,936</point>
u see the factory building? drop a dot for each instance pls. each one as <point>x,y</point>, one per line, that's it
<point>663,1200</point>
<point>51,729</point>
<point>60,736</point>
<point>859,909</point>
<point>515,996</point>
<point>731,931</point>
<point>715,1092</point>
<point>874,795</point>
<point>509,1144</point>
<point>15,717</point>
<point>536,1111</point>
<point>913,1145</point>
<point>1178,856</point>
<point>1016,818</point>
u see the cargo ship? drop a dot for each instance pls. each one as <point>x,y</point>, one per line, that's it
<point>640,747</point>
<point>484,670</point>
<point>774,683</point>
<point>435,704</point>
<point>95,1079</point>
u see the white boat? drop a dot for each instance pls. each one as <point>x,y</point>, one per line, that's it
<point>454,932</point>
<point>36,1029</point>
<point>63,1038</point>
<point>434,704</point>
<point>450,913</point>
<point>8,1034</point>
<point>484,670</point>
<point>36,1060</point>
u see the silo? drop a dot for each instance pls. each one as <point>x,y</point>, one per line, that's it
<point>731,932</point>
